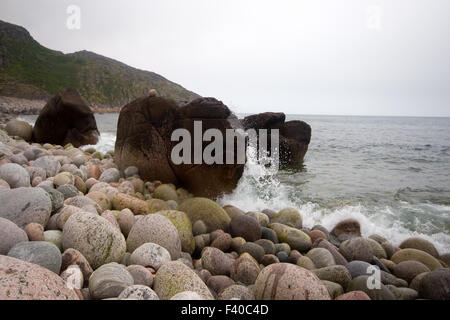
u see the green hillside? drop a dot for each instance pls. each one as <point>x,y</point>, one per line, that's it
<point>29,70</point>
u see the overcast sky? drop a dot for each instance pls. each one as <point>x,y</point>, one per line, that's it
<point>360,57</point>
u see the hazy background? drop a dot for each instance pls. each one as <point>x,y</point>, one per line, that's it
<point>359,57</point>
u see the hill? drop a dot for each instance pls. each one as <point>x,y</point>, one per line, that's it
<point>29,70</point>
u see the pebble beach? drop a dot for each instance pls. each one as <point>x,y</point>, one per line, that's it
<point>75,227</point>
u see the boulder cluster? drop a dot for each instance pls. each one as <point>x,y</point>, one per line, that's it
<point>75,226</point>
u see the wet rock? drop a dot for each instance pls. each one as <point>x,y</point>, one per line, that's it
<point>245,227</point>
<point>206,210</point>
<point>436,285</point>
<point>338,274</point>
<point>334,289</point>
<point>416,255</point>
<point>262,218</point>
<point>408,270</point>
<point>255,250</point>
<point>349,227</point>
<point>296,239</point>
<point>420,244</point>
<point>356,249</point>
<point>290,217</point>
<point>321,257</point>
<point>363,283</point>
<point>306,263</point>
<point>338,257</point>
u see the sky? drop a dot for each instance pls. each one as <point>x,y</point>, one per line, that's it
<point>337,57</point>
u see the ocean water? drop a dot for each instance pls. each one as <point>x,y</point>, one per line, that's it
<point>392,174</point>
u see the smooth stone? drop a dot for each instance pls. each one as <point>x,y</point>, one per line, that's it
<point>245,227</point>
<point>110,175</point>
<point>218,283</point>
<point>296,239</point>
<point>138,292</point>
<point>245,269</point>
<point>95,237</point>
<point>101,199</point>
<point>157,229</point>
<point>267,245</point>
<point>15,175</point>
<point>360,283</point>
<point>236,292</point>
<point>64,215</point>
<point>55,237</point>
<point>338,274</point>
<point>187,295</point>
<point>321,257</point>
<point>338,257</point>
<point>175,277</point>
<point>262,218</point>
<point>56,197</point>
<point>377,249</point>
<point>27,281</point>
<point>73,277</point>
<point>34,231</point>
<point>269,259</point>
<point>83,202</point>
<point>165,192</point>
<point>49,164</point>
<point>150,255</point>
<point>206,210</point>
<point>306,263</point>
<point>282,281</point>
<point>436,285</point>
<point>356,249</point>
<point>334,289</point>
<point>10,235</point>
<point>255,250</point>
<point>416,282</point>
<point>42,253</point>
<point>25,205</point>
<point>199,227</point>
<point>131,171</point>
<point>354,295</point>
<point>215,261</point>
<point>317,234</point>
<point>126,220</point>
<point>184,227</point>
<point>222,242</point>
<point>20,129</point>
<point>420,244</point>
<point>416,255</point>
<point>269,234</point>
<point>141,275</point>
<point>63,178</point>
<point>406,293</point>
<point>109,281</point>
<point>124,201</point>
<point>288,216</point>
<point>233,211</point>
<point>349,227</point>
<point>408,270</point>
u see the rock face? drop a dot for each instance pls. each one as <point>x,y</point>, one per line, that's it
<point>144,140</point>
<point>25,205</point>
<point>283,281</point>
<point>294,135</point>
<point>20,280</point>
<point>66,118</point>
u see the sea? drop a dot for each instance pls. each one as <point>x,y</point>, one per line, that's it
<point>392,174</point>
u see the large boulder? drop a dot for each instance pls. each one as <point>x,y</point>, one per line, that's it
<point>43,253</point>
<point>144,135</point>
<point>294,136</point>
<point>25,205</point>
<point>20,280</point>
<point>66,118</point>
